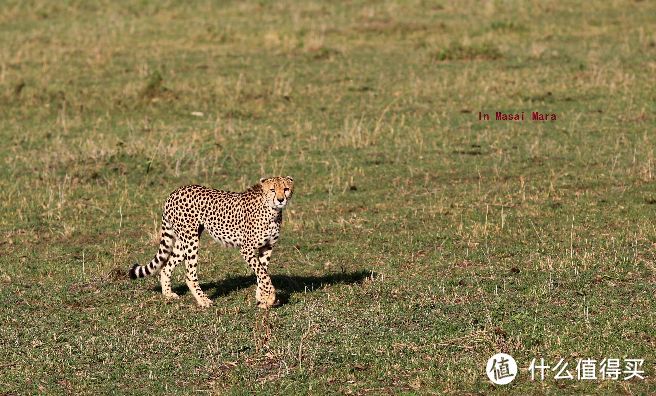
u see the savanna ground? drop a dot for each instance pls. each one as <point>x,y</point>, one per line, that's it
<point>419,242</point>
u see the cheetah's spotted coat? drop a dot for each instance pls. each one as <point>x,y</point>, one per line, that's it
<point>248,220</point>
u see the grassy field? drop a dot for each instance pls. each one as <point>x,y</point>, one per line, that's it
<point>420,240</point>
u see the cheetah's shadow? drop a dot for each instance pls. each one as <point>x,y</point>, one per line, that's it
<point>285,285</point>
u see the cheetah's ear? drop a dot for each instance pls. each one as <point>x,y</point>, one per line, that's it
<point>291,179</point>
<point>262,180</point>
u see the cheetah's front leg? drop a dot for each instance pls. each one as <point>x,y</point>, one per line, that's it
<point>265,293</point>
<point>264,255</point>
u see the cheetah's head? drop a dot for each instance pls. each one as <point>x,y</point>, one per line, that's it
<point>278,190</point>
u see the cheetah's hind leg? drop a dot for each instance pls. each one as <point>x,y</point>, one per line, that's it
<point>165,274</point>
<point>191,276</point>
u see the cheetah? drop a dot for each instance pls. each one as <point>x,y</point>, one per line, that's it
<point>248,220</point>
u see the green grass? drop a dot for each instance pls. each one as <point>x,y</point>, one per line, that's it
<point>420,241</point>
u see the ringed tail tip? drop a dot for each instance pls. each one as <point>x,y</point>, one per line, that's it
<point>133,271</point>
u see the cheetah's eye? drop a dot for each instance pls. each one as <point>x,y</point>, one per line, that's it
<point>273,190</point>
<point>286,189</point>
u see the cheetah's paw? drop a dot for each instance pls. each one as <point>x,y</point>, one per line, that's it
<point>204,302</point>
<point>171,296</point>
<point>267,301</point>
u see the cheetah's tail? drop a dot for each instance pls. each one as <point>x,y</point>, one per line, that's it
<point>163,253</point>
